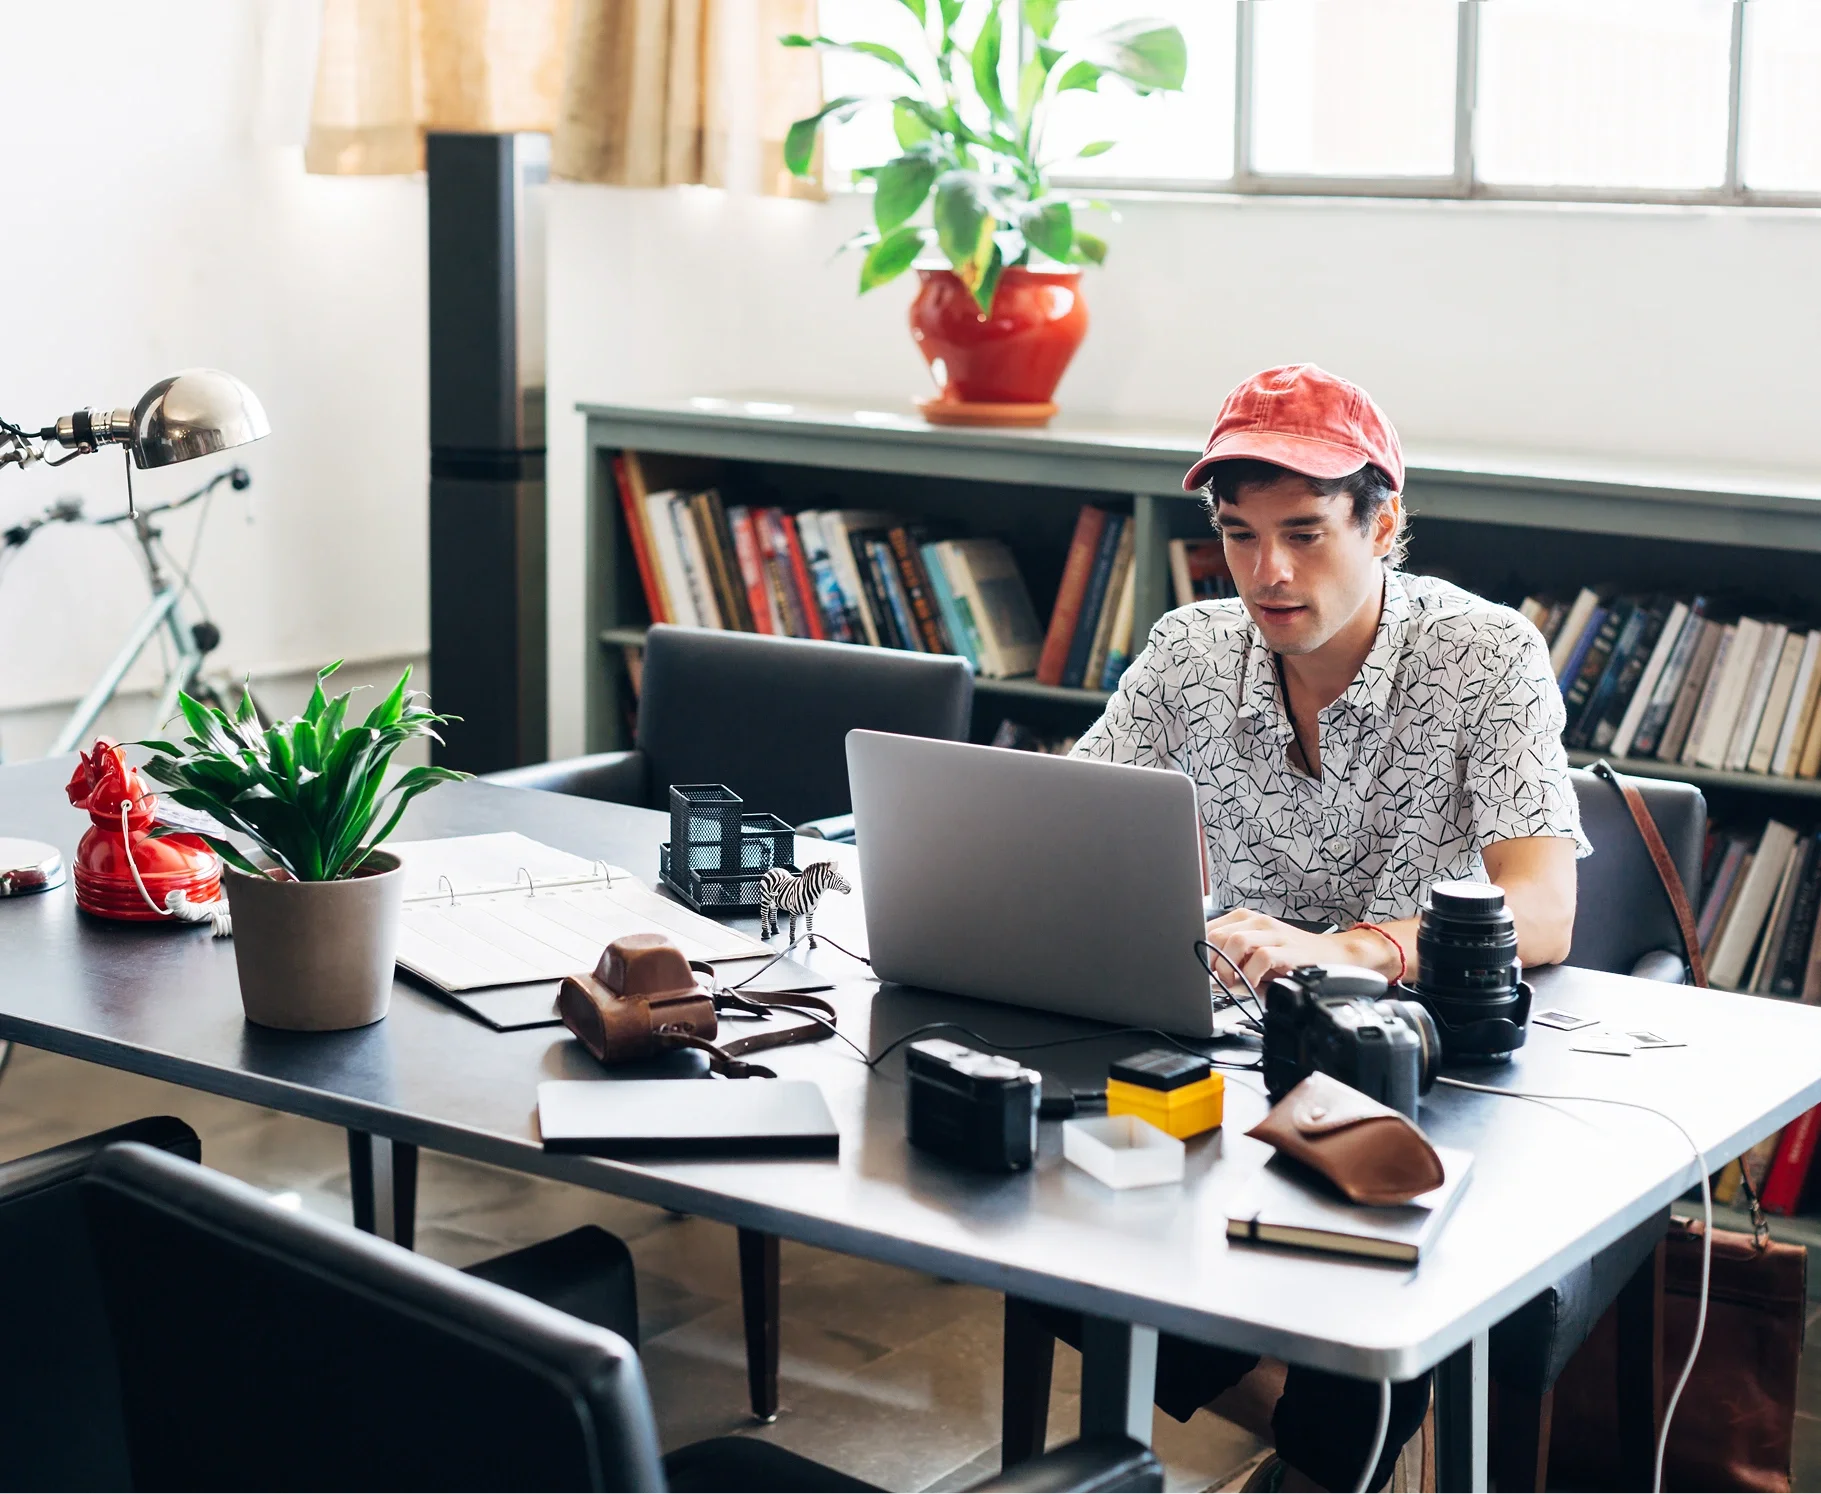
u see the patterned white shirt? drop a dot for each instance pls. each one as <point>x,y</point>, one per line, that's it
<point>1448,740</point>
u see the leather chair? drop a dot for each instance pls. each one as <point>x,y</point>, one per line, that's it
<point>768,717</point>
<point>168,1327</point>
<point>1623,923</point>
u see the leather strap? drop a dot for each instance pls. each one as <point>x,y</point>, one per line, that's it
<point>1665,864</point>
<point>725,1058</point>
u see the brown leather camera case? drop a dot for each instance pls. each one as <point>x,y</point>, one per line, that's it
<point>642,997</point>
<point>1372,1153</point>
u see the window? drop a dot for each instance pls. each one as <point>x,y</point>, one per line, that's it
<point>1622,100</point>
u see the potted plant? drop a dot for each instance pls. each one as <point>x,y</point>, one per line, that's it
<point>316,927</point>
<point>1000,324</point>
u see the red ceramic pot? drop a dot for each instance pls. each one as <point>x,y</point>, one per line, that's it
<point>1014,355</point>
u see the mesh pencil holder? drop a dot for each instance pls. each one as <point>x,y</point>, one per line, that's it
<point>715,891</point>
<point>718,853</point>
<point>707,814</point>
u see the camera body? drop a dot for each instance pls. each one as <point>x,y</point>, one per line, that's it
<point>977,1109</point>
<point>1340,1020</point>
<point>1469,976</point>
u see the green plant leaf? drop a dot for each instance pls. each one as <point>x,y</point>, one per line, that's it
<point>1085,75</point>
<point>1030,88</point>
<point>878,50</point>
<point>1143,53</point>
<point>901,186</point>
<point>951,13</point>
<point>985,62</point>
<point>1088,248</point>
<point>966,215</point>
<point>989,280</point>
<point>1050,227</point>
<point>890,257</point>
<point>1040,16</point>
<point>800,139</point>
<point>915,7</point>
<point>1098,148</point>
<point>910,127</point>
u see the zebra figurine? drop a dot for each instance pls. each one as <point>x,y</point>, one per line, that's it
<point>796,893</point>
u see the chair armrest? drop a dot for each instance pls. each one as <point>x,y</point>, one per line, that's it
<point>58,1164</point>
<point>617,777</point>
<point>1664,965</point>
<point>837,827</point>
<point>1096,1463</point>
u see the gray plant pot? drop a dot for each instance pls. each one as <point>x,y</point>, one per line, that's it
<point>317,956</point>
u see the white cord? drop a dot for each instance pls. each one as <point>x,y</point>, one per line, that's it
<point>177,902</point>
<point>1707,1238</point>
<point>1378,1438</point>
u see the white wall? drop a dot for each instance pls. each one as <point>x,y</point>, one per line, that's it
<point>1660,333</point>
<point>156,216</point>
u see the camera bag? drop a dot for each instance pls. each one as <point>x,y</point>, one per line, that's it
<point>644,998</point>
<point>1372,1153</point>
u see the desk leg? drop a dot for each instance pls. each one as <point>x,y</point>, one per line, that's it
<point>761,1309</point>
<point>1462,1386</point>
<point>383,1179</point>
<point>1118,1379</point>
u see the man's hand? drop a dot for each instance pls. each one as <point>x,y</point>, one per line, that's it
<point>1263,946</point>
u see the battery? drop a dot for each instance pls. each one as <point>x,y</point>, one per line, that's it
<point>1176,1093</point>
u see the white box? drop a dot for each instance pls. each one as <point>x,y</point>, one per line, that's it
<point>1123,1151</point>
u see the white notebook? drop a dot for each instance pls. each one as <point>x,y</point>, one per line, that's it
<point>500,910</point>
<point>1287,1205</point>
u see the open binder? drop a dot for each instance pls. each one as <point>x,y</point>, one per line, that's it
<point>495,922</point>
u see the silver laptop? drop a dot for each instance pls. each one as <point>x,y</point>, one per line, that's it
<point>1059,883</point>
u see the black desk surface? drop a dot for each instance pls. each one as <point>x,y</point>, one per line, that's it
<point>1551,1185</point>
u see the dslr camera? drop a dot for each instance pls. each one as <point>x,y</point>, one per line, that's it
<point>978,1109</point>
<point>1469,975</point>
<point>1339,1019</point>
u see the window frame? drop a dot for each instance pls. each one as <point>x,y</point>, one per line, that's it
<point>1463,184</point>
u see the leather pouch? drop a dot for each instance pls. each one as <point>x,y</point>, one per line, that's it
<point>1372,1153</point>
<point>642,999</point>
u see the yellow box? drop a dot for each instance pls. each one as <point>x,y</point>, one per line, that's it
<point>1181,1113</point>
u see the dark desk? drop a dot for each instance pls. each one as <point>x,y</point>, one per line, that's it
<point>1552,1185</point>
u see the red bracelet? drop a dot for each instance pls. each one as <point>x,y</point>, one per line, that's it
<point>1403,964</point>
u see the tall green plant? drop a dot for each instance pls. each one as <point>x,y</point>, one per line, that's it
<point>974,155</point>
<point>307,791</point>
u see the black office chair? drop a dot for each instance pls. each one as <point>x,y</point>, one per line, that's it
<point>1623,923</point>
<point>167,1327</point>
<point>768,717</point>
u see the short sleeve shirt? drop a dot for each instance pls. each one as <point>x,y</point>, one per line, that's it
<point>1447,741</point>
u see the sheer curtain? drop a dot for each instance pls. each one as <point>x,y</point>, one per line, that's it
<point>639,93</point>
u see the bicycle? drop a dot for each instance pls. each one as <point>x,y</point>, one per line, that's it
<point>190,641</point>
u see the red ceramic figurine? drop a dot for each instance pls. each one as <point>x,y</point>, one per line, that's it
<point>170,864</point>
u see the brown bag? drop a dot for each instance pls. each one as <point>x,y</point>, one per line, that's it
<point>644,998</point>
<point>1372,1153</point>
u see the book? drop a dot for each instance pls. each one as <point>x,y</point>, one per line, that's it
<point>1568,635</point>
<point>1776,924</point>
<point>1776,703</point>
<point>1287,1204</point>
<point>760,605</point>
<point>638,532</point>
<point>1673,748</point>
<point>1802,697</point>
<point>905,542</point>
<point>1599,723</point>
<point>1643,696</point>
<point>1788,1176</point>
<point>960,632</point>
<point>793,602</point>
<point>878,603</point>
<point>680,599</point>
<point>1577,655</point>
<point>801,583</point>
<point>885,569</point>
<point>1656,714</point>
<point>992,590</point>
<point>1119,649</point>
<point>1756,693</point>
<point>1811,975</point>
<point>1792,954</point>
<point>1719,891</point>
<point>1198,571</point>
<point>1083,547</point>
<point>1593,662</point>
<point>1731,903</point>
<point>1092,600</point>
<point>1808,761</point>
<point>1117,580</point>
<point>826,584</point>
<point>723,565</point>
<point>1737,940</point>
<point>838,526</point>
<point>651,1118</point>
<point>1713,687</point>
<point>695,563</point>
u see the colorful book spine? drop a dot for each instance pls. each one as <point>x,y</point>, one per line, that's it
<point>1083,548</point>
<point>1593,669</point>
<point>823,578</point>
<point>1782,1191</point>
<point>1792,954</point>
<point>1119,651</point>
<point>958,630</point>
<point>752,572</point>
<point>1577,655</point>
<point>800,579</point>
<point>1093,599</point>
<point>639,533</point>
<point>924,616</point>
<point>886,569</point>
<point>877,602</point>
<point>780,575</point>
<point>1655,719</point>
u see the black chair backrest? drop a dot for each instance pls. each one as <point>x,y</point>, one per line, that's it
<point>1621,912</point>
<point>769,717</point>
<point>257,1347</point>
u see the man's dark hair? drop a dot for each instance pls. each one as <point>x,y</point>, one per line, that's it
<point>1369,488</point>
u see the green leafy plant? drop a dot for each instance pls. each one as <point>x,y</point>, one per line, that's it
<point>306,791</point>
<point>974,154</point>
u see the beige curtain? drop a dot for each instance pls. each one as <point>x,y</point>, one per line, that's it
<point>640,93</point>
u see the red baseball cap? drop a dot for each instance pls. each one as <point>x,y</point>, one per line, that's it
<point>1303,418</point>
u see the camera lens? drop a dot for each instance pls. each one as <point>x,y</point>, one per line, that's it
<point>1471,981</point>
<point>1429,1053</point>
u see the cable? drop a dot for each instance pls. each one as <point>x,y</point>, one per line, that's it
<point>1378,1437</point>
<point>1258,1009</point>
<point>1707,1237</point>
<point>1084,1037</point>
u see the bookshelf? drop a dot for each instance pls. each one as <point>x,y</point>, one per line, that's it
<point>1493,521</point>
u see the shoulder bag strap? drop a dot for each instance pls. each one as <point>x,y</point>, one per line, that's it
<point>1665,865</point>
<point>725,1058</point>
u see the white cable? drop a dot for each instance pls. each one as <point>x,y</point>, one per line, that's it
<point>1707,1238</point>
<point>1378,1438</point>
<point>177,902</point>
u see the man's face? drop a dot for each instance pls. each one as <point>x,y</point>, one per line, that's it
<point>1300,563</point>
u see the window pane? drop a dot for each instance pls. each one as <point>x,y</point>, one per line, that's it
<point>1345,89</point>
<point>866,139</point>
<point>1780,140</point>
<point>1625,93</point>
<point>1185,136</point>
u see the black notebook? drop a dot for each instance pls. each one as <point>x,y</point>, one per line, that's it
<point>655,1118</point>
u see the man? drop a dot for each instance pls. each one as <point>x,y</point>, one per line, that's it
<point>1355,735</point>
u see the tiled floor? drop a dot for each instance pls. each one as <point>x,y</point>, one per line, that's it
<point>889,1375</point>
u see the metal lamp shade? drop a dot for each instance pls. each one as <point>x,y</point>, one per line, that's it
<point>195,414</point>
